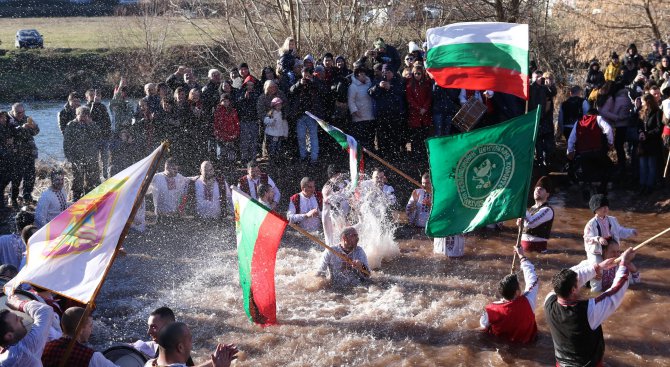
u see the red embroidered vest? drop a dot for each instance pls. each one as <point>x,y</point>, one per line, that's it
<point>244,183</point>
<point>513,320</point>
<point>295,199</point>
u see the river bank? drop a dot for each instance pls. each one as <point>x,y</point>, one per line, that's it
<point>51,74</point>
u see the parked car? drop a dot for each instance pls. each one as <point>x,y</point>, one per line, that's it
<point>28,38</point>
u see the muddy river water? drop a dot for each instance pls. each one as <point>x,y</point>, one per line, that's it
<point>421,310</point>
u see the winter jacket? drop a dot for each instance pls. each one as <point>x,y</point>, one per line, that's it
<point>226,124</point>
<point>360,101</point>
<point>389,102</point>
<point>309,97</point>
<point>123,112</point>
<point>419,96</point>
<point>246,106</point>
<point>651,127</point>
<point>24,137</point>
<point>445,100</point>
<point>80,141</point>
<point>275,124</point>
<point>612,71</point>
<point>66,115</point>
<point>100,117</point>
<point>616,110</point>
<point>594,78</point>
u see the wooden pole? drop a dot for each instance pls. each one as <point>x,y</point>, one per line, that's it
<point>122,237</point>
<point>665,171</point>
<point>391,167</point>
<point>318,241</point>
<point>518,243</point>
<point>646,242</point>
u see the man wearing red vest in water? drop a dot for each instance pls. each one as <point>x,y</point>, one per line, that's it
<point>513,317</point>
<point>305,207</point>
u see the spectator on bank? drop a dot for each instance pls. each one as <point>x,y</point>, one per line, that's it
<point>389,96</point>
<point>288,54</point>
<point>81,149</point>
<point>276,131</point>
<point>151,97</point>
<point>595,78</point>
<point>121,107</point>
<point>613,69</point>
<point>190,80</point>
<point>227,130</point>
<point>8,156</point>
<point>616,110</point>
<point>384,54</point>
<point>444,108</point>
<point>308,94</point>
<point>633,55</point>
<point>418,90</point>
<point>68,112</point>
<point>26,152</point>
<point>571,111</point>
<point>176,79</point>
<point>649,151</point>
<point>361,107</point>
<point>100,117</point>
<point>246,106</point>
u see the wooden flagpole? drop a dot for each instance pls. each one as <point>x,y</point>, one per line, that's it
<point>122,237</point>
<point>667,162</point>
<point>321,243</point>
<point>391,167</point>
<point>646,242</point>
<point>518,243</point>
<point>304,233</point>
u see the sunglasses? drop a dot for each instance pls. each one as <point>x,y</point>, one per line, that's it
<point>409,59</point>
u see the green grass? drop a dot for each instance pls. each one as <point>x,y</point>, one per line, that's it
<point>98,32</point>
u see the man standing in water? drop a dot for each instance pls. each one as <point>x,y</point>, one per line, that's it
<point>575,324</point>
<point>304,208</point>
<point>513,317</point>
<point>343,274</point>
<point>175,344</point>
<point>249,182</point>
<point>168,188</point>
<point>539,219</point>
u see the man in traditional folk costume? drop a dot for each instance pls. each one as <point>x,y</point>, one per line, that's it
<point>539,218</point>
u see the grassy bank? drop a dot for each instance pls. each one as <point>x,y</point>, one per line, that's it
<point>99,32</point>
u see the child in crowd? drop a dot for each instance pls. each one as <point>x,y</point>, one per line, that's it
<point>227,129</point>
<point>602,228</point>
<point>276,129</point>
<point>612,251</point>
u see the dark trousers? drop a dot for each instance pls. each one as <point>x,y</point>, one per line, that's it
<point>391,134</point>
<point>363,132</point>
<point>619,141</point>
<point>86,177</point>
<point>24,170</point>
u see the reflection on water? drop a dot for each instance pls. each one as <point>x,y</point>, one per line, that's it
<point>421,310</point>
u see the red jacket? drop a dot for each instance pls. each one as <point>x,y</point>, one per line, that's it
<point>419,95</point>
<point>226,124</point>
<point>513,320</point>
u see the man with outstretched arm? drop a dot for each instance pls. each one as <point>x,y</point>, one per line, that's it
<point>576,324</point>
<point>513,317</point>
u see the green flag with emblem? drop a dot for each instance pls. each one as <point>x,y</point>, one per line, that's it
<point>482,176</point>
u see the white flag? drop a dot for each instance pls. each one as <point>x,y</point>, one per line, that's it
<point>71,254</point>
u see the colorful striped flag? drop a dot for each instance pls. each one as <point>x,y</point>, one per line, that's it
<point>348,143</point>
<point>480,56</point>
<point>259,232</point>
<point>71,254</point>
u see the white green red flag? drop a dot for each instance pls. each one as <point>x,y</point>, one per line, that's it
<point>259,232</point>
<point>348,143</point>
<point>480,56</point>
<point>71,254</point>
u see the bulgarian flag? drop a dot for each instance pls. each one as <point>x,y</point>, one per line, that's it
<point>480,56</point>
<point>259,232</point>
<point>348,143</point>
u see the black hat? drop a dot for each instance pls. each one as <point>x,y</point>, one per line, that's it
<point>545,183</point>
<point>615,55</point>
<point>598,201</point>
